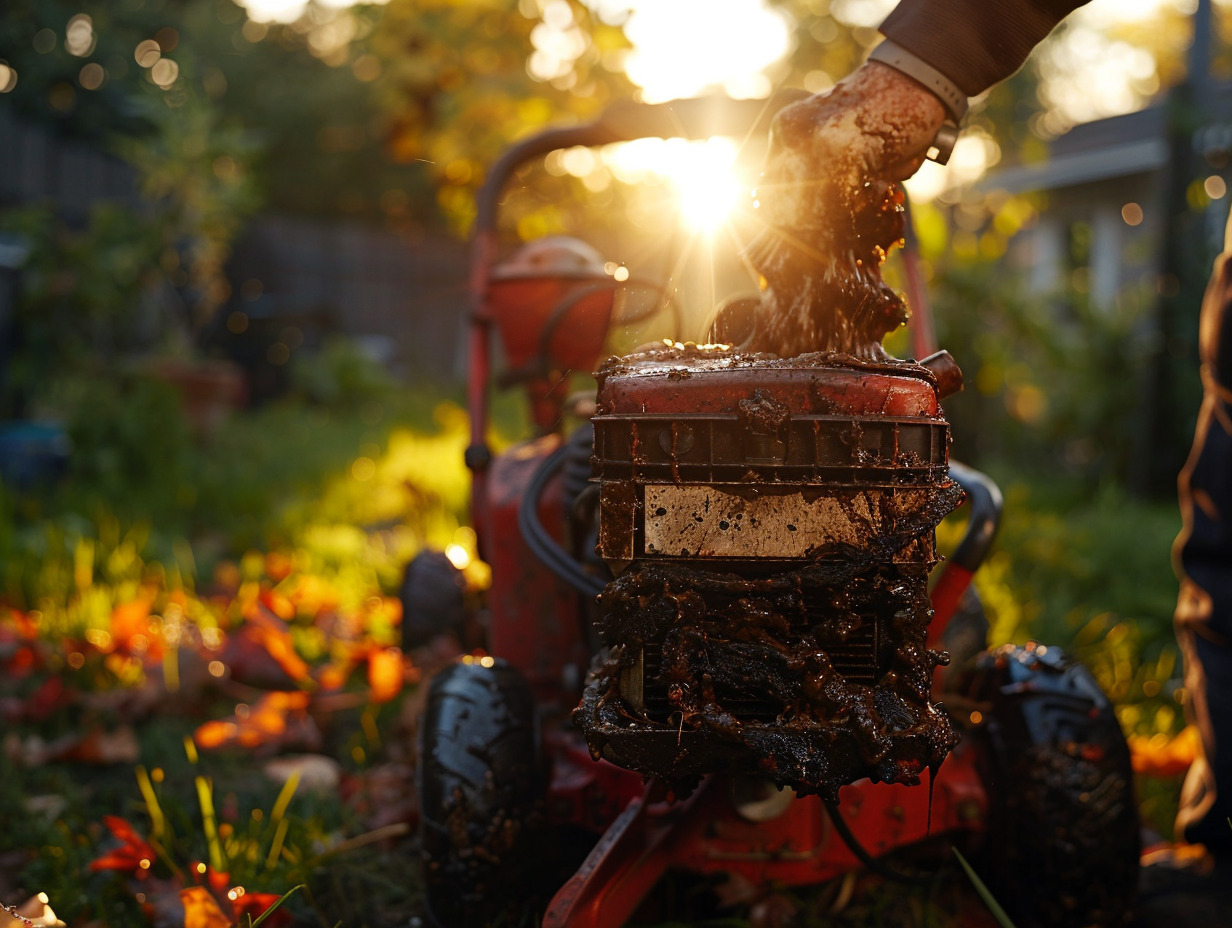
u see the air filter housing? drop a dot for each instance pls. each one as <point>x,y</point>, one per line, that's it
<point>771,527</point>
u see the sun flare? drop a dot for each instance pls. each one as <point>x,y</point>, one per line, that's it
<point>702,175</point>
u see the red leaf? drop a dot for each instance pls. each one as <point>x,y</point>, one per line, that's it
<point>133,855</point>
<point>254,906</point>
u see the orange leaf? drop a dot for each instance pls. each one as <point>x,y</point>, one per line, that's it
<point>278,566</point>
<point>385,674</point>
<point>200,909</point>
<point>129,620</point>
<point>25,627</point>
<point>216,881</point>
<point>215,734</point>
<point>278,604</point>
<point>333,676</point>
<point>264,722</point>
<point>1161,756</point>
<point>280,647</point>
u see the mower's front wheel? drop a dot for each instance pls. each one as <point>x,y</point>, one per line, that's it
<point>1063,842</point>
<point>481,792</point>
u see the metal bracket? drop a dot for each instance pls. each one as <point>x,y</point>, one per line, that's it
<point>943,143</point>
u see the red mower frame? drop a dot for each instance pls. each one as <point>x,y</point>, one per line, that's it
<point>1016,708</point>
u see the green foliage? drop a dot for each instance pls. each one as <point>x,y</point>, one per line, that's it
<point>993,906</point>
<point>195,168</point>
<point>1054,385</point>
<point>130,439</point>
<point>340,374</point>
<point>143,491</point>
<point>85,297</point>
<point>460,82</point>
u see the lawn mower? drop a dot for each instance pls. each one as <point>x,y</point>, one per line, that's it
<point>714,642</point>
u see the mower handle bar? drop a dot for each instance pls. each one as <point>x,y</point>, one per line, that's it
<point>698,118</point>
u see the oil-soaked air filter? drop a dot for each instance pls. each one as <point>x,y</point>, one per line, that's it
<point>771,527</point>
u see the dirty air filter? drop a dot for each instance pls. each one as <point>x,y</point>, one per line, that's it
<point>771,527</point>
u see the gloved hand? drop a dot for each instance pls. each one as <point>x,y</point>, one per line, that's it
<point>875,126</point>
<point>831,212</point>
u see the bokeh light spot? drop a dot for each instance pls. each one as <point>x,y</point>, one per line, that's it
<point>164,72</point>
<point>79,39</point>
<point>147,53</point>
<point>91,77</point>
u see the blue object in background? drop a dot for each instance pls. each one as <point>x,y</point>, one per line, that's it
<point>32,453</point>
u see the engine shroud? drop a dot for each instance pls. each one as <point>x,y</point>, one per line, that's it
<point>771,526</point>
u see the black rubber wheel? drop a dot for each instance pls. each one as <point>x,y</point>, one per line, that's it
<point>481,791</point>
<point>1063,839</point>
<point>433,598</point>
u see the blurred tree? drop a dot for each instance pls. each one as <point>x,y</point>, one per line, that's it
<point>460,80</point>
<point>364,111</point>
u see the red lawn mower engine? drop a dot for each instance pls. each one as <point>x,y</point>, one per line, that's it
<point>770,525</point>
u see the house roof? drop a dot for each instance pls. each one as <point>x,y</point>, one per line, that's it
<point>1119,146</point>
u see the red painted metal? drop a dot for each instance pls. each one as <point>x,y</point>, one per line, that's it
<point>535,615</point>
<point>705,834</point>
<point>478,374</point>
<point>524,310</point>
<point>946,594</point>
<point>801,847</point>
<point>583,791</point>
<point>622,868</point>
<point>807,389</point>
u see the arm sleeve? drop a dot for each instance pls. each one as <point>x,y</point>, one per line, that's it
<point>975,43</point>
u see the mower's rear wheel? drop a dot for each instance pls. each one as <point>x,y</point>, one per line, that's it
<point>1063,839</point>
<point>481,788</point>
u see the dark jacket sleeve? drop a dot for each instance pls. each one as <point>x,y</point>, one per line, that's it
<point>975,43</point>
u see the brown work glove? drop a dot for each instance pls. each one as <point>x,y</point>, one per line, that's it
<point>831,212</point>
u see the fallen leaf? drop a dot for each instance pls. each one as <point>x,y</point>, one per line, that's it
<point>216,881</point>
<point>278,604</point>
<point>385,673</point>
<point>133,856</point>
<point>51,695</point>
<point>201,910</point>
<point>35,912</point>
<point>1160,756</point>
<point>276,719</point>
<point>254,905</point>
<point>262,658</point>
<point>130,625</point>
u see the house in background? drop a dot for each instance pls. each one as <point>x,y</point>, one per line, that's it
<point>1132,210</point>
<point>1107,186</point>
<point>1114,190</point>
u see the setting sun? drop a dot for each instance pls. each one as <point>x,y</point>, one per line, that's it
<point>701,173</point>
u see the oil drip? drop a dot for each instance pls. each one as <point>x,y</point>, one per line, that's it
<point>825,292</point>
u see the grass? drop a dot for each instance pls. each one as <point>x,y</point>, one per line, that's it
<point>274,550</point>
